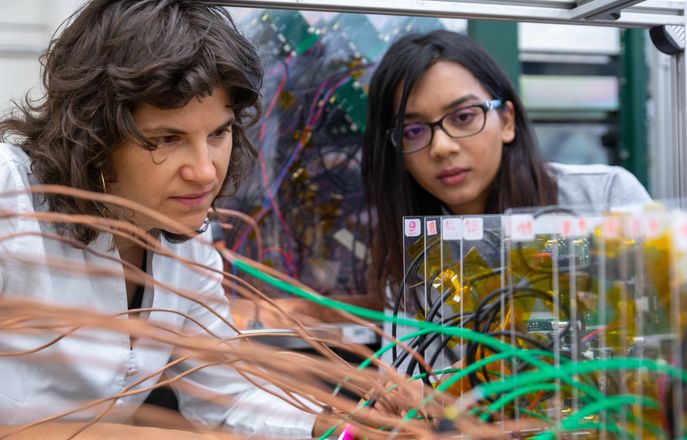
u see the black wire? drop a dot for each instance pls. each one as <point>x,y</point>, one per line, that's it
<point>453,319</point>
<point>435,307</point>
<point>423,342</point>
<point>490,312</point>
<point>412,270</point>
<point>443,347</point>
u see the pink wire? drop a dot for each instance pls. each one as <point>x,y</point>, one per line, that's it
<point>263,169</point>
<point>589,336</point>
<point>347,433</point>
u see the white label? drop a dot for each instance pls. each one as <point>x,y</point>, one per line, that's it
<point>546,224</point>
<point>566,225</point>
<point>581,227</point>
<point>522,227</point>
<point>633,226</point>
<point>412,227</point>
<point>431,227</point>
<point>473,228</point>
<point>451,228</point>
<point>610,227</point>
<point>652,227</point>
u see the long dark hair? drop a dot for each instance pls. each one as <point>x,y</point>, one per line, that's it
<point>110,58</point>
<point>391,192</point>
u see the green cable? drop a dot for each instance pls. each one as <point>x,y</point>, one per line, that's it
<point>563,373</point>
<point>587,367</point>
<point>574,368</point>
<point>588,409</point>
<point>362,312</point>
<point>435,372</point>
<point>592,426</point>
<point>460,373</point>
<point>495,373</point>
<point>571,422</point>
<point>364,364</point>
<point>534,414</point>
<point>496,405</point>
<point>504,349</point>
<point>482,362</point>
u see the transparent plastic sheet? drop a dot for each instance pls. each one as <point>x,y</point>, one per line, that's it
<point>590,289</point>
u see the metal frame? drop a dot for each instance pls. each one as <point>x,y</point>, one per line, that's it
<point>600,9</point>
<point>618,13</point>
<point>680,123</point>
<point>633,13</point>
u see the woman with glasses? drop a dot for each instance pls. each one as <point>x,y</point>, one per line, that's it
<point>447,134</point>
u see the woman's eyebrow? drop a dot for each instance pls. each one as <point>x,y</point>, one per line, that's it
<point>229,121</point>
<point>174,130</point>
<point>447,107</point>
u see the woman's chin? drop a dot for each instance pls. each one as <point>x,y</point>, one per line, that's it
<point>191,227</point>
<point>192,223</point>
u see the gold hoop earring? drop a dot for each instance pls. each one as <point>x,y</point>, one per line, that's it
<point>102,180</point>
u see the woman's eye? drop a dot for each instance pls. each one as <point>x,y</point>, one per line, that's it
<point>463,116</point>
<point>221,132</point>
<point>166,140</point>
<point>414,131</point>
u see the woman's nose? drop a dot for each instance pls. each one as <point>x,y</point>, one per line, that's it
<point>442,144</point>
<point>199,166</point>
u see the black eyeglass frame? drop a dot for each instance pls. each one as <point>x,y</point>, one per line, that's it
<point>485,106</point>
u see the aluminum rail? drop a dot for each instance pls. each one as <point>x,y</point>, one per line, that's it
<point>646,13</point>
<point>601,9</point>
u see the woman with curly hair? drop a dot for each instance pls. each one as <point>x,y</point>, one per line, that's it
<point>147,100</point>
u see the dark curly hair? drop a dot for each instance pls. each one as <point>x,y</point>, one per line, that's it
<point>112,56</point>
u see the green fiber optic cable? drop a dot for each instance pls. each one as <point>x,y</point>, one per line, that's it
<point>374,315</point>
<point>570,423</point>
<point>504,349</point>
<point>393,386</point>
<point>483,362</point>
<point>461,372</point>
<point>591,426</point>
<point>435,372</point>
<point>583,368</point>
<point>588,408</point>
<point>362,311</point>
<point>534,414</point>
<point>574,368</point>
<point>562,373</point>
<point>496,405</point>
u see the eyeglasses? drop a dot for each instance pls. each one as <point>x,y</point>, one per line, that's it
<point>459,123</point>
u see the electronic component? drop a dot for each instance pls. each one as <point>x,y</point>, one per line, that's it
<point>602,294</point>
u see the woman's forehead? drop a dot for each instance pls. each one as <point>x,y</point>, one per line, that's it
<point>443,84</point>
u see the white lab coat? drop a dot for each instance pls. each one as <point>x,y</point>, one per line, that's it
<point>92,364</point>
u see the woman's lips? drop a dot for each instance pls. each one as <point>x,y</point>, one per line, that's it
<point>192,200</point>
<point>454,176</point>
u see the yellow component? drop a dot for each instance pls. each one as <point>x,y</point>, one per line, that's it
<point>357,68</point>
<point>286,99</point>
<point>620,330</point>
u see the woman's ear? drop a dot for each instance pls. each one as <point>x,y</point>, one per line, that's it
<point>507,122</point>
